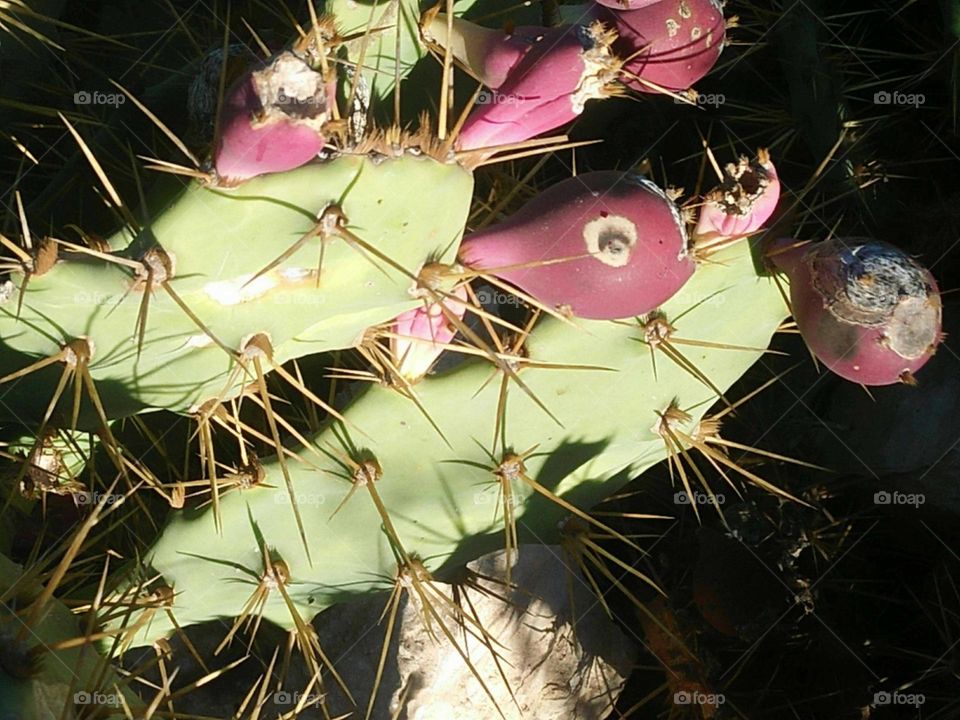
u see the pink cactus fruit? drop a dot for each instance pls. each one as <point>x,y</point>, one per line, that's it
<point>272,119</point>
<point>670,44</point>
<point>866,309</point>
<point>744,200</point>
<point>421,334</point>
<point>486,53</point>
<point>628,4</point>
<point>548,88</point>
<point>603,244</point>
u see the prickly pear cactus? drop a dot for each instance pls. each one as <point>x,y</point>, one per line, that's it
<point>424,426</point>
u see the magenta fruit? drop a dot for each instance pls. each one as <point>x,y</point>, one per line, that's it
<point>272,120</point>
<point>548,88</point>
<point>670,44</point>
<point>419,335</point>
<point>603,244</point>
<point>487,54</point>
<point>867,310</point>
<point>743,201</point>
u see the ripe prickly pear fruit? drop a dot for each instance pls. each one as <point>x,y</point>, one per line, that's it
<point>603,244</point>
<point>273,119</point>
<point>547,89</point>
<point>866,309</point>
<point>670,44</point>
<point>741,203</point>
<point>419,335</point>
<point>488,54</point>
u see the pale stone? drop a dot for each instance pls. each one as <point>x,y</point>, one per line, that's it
<point>553,670</point>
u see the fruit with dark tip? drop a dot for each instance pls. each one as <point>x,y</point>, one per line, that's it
<point>547,89</point>
<point>867,310</point>
<point>603,244</point>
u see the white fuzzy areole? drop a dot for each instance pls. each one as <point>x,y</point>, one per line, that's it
<point>615,254</point>
<point>296,274</point>
<point>198,341</point>
<point>236,291</point>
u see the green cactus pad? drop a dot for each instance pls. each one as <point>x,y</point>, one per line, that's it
<point>443,509</point>
<point>397,27</point>
<point>219,238</point>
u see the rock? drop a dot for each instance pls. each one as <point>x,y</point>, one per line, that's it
<point>552,669</point>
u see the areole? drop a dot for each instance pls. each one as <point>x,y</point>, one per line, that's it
<point>610,239</point>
